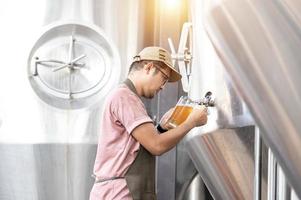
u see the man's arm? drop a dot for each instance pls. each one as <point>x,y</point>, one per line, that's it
<point>157,144</point>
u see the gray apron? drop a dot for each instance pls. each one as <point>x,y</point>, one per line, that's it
<point>140,177</point>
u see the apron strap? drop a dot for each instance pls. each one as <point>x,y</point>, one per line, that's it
<point>108,179</point>
<point>131,86</point>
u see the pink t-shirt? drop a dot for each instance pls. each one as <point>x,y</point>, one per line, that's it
<point>117,148</point>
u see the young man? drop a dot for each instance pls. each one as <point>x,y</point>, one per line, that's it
<point>125,161</point>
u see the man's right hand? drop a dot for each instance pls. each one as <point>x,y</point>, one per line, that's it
<point>198,116</point>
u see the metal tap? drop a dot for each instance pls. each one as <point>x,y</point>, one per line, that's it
<point>208,100</point>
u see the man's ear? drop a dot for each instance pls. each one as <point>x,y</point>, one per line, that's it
<point>148,66</point>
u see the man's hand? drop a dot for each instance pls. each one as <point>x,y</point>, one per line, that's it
<point>198,116</point>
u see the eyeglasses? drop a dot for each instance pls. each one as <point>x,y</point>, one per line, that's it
<point>166,77</point>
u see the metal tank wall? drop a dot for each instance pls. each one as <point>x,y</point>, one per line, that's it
<point>256,55</point>
<point>223,149</point>
<point>47,149</point>
<point>258,43</point>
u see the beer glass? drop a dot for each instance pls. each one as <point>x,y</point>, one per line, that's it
<point>181,112</point>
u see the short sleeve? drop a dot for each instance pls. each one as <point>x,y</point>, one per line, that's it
<point>129,110</point>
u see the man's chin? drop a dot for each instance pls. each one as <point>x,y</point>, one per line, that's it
<point>150,96</point>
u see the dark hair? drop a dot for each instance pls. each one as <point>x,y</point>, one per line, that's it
<point>137,65</point>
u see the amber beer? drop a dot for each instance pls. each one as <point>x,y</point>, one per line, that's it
<point>182,110</point>
<point>180,114</point>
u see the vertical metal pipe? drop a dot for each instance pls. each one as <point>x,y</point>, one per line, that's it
<point>283,189</point>
<point>272,178</point>
<point>258,163</point>
<point>293,195</point>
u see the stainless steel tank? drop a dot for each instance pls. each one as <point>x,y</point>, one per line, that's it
<point>258,43</point>
<point>223,149</point>
<point>59,60</point>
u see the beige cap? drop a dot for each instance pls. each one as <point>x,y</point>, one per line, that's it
<point>162,55</point>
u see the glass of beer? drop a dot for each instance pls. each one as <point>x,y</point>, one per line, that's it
<point>181,112</point>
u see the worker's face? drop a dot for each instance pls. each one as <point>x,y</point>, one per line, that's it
<point>157,79</point>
